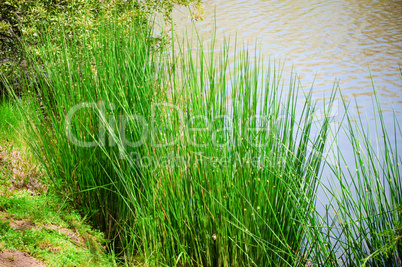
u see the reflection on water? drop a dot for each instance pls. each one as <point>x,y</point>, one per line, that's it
<point>323,40</point>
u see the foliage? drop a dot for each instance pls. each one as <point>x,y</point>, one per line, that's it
<point>202,188</point>
<point>222,196</point>
<point>27,20</point>
<point>32,18</point>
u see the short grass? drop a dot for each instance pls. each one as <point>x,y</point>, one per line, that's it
<point>49,232</point>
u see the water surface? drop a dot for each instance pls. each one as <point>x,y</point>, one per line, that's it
<point>322,40</point>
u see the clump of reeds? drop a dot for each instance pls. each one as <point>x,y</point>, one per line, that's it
<point>185,159</point>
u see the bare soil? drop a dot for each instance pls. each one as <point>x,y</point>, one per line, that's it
<point>18,259</point>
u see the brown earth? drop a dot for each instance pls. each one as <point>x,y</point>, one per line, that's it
<point>18,259</point>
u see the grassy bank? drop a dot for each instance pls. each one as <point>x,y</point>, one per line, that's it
<point>182,158</point>
<point>34,221</point>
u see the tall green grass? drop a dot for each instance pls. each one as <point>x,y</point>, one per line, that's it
<point>189,160</point>
<point>10,122</point>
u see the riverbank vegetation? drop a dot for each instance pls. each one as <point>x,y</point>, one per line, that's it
<point>23,24</point>
<point>37,225</point>
<point>190,158</point>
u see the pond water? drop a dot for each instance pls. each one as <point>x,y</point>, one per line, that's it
<point>322,40</point>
